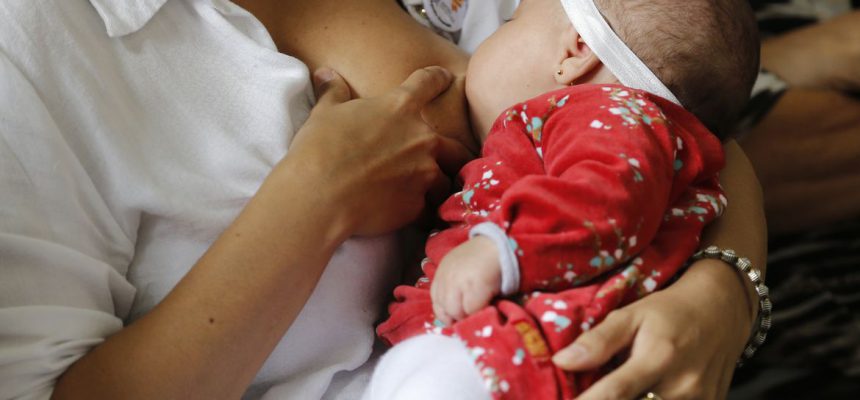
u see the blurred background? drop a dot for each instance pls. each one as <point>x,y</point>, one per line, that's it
<point>802,133</point>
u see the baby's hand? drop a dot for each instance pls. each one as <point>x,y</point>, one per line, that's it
<point>466,280</point>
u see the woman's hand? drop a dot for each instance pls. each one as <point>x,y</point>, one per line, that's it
<point>683,344</point>
<point>372,161</point>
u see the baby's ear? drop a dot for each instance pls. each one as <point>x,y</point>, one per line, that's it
<point>578,63</point>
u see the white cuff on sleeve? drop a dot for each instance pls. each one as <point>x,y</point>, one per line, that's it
<point>507,258</point>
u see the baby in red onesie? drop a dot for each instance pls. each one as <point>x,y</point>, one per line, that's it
<point>585,198</point>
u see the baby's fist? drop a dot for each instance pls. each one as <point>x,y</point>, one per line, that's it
<point>467,280</point>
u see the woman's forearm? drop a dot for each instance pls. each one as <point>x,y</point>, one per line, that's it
<point>807,153</point>
<point>806,149</point>
<point>742,228</point>
<point>824,56</point>
<point>212,333</point>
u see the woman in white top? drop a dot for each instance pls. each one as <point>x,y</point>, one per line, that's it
<point>157,240</point>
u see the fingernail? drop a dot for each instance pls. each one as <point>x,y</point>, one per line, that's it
<point>446,72</point>
<point>572,355</point>
<point>324,75</point>
<point>443,70</point>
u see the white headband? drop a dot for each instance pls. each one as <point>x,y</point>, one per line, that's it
<point>611,50</point>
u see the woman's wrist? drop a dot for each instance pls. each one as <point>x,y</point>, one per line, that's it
<point>753,276</point>
<point>733,284</point>
<point>726,293</point>
<point>304,186</point>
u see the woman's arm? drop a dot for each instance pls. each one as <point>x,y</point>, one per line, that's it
<point>824,56</point>
<point>806,151</point>
<point>686,339</point>
<point>212,333</point>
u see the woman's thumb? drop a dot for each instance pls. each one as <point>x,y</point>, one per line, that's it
<point>330,87</point>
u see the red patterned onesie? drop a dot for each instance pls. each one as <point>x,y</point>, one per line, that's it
<point>599,194</point>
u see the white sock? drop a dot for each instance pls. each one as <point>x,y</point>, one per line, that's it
<point>427,367</point>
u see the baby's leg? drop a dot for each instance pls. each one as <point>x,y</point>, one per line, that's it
<point>427,367</point>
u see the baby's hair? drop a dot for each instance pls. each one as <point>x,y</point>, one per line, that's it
<point>705,51</point>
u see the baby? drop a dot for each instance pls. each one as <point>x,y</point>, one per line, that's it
<point>586,197</point>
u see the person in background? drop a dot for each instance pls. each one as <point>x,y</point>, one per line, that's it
<point>802,133</point>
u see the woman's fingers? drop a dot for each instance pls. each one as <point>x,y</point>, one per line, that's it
<point>452,155</point>
<point>438,191</point>
<point>330,88</point>
<point>417,90</point>
<point>637,375</point>
<point>377,155</point>
<point>597,346</point>
<point>680,351</point>
<point>423,86</point>
<point>700,384</point>
<point>622,384</point>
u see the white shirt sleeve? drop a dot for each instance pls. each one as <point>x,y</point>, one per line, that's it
<point>63,257</point>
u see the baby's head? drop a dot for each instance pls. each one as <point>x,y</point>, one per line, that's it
<point>705,51</point>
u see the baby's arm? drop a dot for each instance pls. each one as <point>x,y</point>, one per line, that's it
<point>607,184</point>
<point>612,169</point>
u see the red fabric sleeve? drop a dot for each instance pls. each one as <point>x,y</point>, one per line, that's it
<point>611,168</point>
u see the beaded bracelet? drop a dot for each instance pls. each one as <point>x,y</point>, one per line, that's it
<point>744,265</point>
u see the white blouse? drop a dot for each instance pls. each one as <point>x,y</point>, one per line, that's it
<point>131,135</point>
